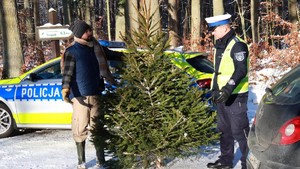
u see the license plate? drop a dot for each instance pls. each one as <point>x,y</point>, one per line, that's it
<point>253,161</point>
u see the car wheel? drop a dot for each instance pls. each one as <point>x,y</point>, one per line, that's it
<point>7,123</point>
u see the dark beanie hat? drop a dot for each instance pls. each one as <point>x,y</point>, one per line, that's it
<point>79,27</point>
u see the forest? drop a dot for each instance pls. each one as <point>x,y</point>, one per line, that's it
<point>270,27</point>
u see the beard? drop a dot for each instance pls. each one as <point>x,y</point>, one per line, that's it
<point>90,38</point>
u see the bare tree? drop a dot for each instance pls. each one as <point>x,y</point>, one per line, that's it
<point>54,5</point>
<point>108,20</point>
<point>241,12</point>
<point>195,23</point>
<point>173,22</point>
<point>218,7</point>
<point>36,12</point>
<point>131,15</point>
<point>29,27</point>
<point>66,12</point>
<point>87,12</point>
<point>254,20</point>
<point>154,9</point>
<point>186,19</point>
<point>120,23</point>
<point>92,13</point>
<point>12,57</point>
<point>292,4</point>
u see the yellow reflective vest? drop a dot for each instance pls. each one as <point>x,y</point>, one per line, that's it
<point>226,69</point>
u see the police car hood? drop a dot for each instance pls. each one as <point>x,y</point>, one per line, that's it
<point>10,81</point>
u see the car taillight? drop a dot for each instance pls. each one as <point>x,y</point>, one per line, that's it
<point>204,83</point>
<point>254,120</point>
<point>290,131</point>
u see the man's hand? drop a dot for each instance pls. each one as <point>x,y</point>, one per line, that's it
<point>65,95</point>
<point>220,96</point>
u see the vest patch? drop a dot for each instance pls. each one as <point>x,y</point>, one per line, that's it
<point>240,56</point>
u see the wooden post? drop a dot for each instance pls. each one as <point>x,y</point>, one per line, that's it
<point>52,15</point>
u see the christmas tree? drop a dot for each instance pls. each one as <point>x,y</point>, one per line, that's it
<point>155,113</point>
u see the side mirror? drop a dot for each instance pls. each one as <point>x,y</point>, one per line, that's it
<point>269,91</point>
<point>32,77</point>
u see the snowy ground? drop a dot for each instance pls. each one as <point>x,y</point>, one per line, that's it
<point>49,149</point>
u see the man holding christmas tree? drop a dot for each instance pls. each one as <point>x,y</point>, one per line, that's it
<point>230,90</point>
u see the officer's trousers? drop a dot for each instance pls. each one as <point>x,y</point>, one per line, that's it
<point>233,123</point>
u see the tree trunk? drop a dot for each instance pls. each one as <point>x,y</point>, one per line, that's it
<point>65,5</point>
<point>173,22</point>
<point>87,14</point>
<point>218,7</point>
<point>186,21</point>
<point>36,20</point>
<point>93,18</point>
<point>120,24</point>
<point>1,44</point>
<point>80,11</point>
<point>293,12</point>
<point>241,12</point>
<point>47,4</point>
<point>29,28</point>
<point>195,23</point>
<point>154,9</point>
<point>54,5</point>
<point>131,15</point>
<point>36,12</point>
<point>12,57</point>
<point>108,20</point>
<point>254,20</point>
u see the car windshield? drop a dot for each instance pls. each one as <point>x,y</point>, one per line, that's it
<point>287,89</point>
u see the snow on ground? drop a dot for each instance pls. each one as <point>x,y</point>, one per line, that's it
<point>49,149</point>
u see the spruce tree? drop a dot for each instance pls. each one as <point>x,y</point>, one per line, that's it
<point>155,113</point>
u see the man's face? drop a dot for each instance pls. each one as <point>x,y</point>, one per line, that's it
<point>88,35</point>
<point>219,32</point>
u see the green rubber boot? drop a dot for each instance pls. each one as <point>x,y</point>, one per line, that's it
<point>100,156</point>
<point>81,154</point>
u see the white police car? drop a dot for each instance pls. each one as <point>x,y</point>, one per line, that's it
<point>33,100</point>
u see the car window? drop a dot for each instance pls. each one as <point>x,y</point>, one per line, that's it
<point>201,64</point>
<point>287,89</point>
<point>52,71</point>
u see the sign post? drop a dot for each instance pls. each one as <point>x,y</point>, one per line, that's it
<point>54,44</point>
<point>54,32</point>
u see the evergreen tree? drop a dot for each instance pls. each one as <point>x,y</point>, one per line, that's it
<point>155,113</point>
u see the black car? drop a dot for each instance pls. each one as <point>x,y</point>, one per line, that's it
<point>274,138</point>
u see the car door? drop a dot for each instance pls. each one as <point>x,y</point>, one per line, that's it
<point>38,99</point>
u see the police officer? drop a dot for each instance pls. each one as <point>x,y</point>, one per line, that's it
<point>230,90</point>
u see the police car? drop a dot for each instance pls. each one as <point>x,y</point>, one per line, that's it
<point>34,100</point>
<point>195,64</point>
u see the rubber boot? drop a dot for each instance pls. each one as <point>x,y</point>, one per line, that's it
<point>81,154</point>
<point>100,156</point>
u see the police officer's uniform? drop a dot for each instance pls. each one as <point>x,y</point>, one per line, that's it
<point>231,77</point>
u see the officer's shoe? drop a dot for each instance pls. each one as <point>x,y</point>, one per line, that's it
<point>218,165</point>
